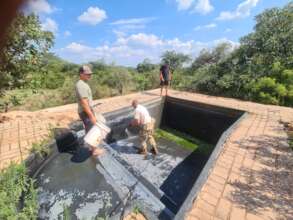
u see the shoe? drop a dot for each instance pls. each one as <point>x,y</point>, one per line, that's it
<point>142,151</point>
<point>154,151</point>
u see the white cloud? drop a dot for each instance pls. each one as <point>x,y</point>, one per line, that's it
<point>140,39</point>
<point>227,30</point>
<point>92,16</point>
<point>39,6</point>
<point>199,6</point>
<point>225,40</point>
<point>242,11</point>
<point>203,7</point>
<point>50,25</point>
<point>125,25</point>
<point>119,33</point>
<point>132,21</point>
<point>132,49</point>
<point>184,4</point>
<point>67,33</point>
<point>208,26</point>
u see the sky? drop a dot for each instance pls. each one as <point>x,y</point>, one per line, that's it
<point>125,32</point>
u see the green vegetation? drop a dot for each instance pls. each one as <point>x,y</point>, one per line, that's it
<point>41,148</point>
<point>291,142</point>
<point>23,51</point>
<point>184,140</point>
<point>136,210</point>
<point>259,69</point>
<point>18,198</point>
<point>66,212</point>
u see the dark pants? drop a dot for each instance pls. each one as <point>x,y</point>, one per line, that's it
<point>164,83</point>
<point>86,121</point>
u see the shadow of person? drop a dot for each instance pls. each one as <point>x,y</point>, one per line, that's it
<point>81,155</point>
<point>68,142</point>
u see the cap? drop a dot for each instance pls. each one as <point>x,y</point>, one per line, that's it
<point>85,70</point>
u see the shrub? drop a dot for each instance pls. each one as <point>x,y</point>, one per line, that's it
<point>18,198</point>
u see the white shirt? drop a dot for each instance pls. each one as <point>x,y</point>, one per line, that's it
<point>142,115</point>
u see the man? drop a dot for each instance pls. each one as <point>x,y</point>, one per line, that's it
<point>143,119</point>
<point>165,78</point>
<point>85,104</point>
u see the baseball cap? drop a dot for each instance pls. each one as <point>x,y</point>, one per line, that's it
<point>85,69</point>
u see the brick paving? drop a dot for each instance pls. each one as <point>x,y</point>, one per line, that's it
<point>252,178</point>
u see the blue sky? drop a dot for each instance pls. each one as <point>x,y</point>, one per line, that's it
<point>125,32</point>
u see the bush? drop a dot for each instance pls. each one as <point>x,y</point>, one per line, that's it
<point>18,198</point>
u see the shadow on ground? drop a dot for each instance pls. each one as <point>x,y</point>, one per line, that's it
<point>270,185</point>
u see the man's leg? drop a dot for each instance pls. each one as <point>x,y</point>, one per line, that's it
<point>96,151</point>
<point>153,143</point>
<point>161,90</point>
<point>143,139</point>
<point>151,138</point>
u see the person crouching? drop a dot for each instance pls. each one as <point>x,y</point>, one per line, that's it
<point>143,119</point>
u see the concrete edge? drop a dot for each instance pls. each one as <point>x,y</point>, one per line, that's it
<point>187,205</point>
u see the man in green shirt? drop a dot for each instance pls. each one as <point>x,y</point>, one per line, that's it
<point>85,103</point>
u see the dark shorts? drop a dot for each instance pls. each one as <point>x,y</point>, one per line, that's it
<point>86,121</point>
<point>164,83</point>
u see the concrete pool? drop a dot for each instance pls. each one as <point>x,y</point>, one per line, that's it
<point>162,186</point>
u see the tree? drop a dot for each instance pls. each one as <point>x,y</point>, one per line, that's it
<point>145,66</point>
<point>207,57</point>
<point>174,60</point>
<point>260,69</point>
<point>119,79</point>
<point>98,65</point>
<point>22,53</point>
<point>272,39</point>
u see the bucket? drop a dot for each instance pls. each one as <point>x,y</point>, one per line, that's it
<point>97,133</point>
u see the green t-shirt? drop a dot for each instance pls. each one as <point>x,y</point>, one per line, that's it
<point>83,90</point>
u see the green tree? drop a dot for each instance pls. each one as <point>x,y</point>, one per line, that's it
<point>120,79</point>
<point>174,60</point>
<point>145,66</point>
<point>22,53</point>
<point>207,57</point>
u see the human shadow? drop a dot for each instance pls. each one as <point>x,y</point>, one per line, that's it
<point>270,185</point>
<point>67,142</point>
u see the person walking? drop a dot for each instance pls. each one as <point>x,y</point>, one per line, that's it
<point>143,119</point>
<point>85,104</point>
<point>165,78</point>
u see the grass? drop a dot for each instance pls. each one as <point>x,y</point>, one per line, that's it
<point>41,148</point>
<point>66,212</point>
<point>136,210</point>
<point>184,140</point>
<point>18,197</point>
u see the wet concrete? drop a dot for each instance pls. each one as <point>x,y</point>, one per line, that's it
<point>79,186</point>
<point>170,175</point>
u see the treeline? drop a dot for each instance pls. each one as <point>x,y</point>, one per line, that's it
<point>259,69</point>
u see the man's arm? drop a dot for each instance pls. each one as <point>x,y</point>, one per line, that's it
<point>161,76</point>
<point>86,108</point>
<point>170,75</point>
<point>134,122</point>
<point>136,119</point>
